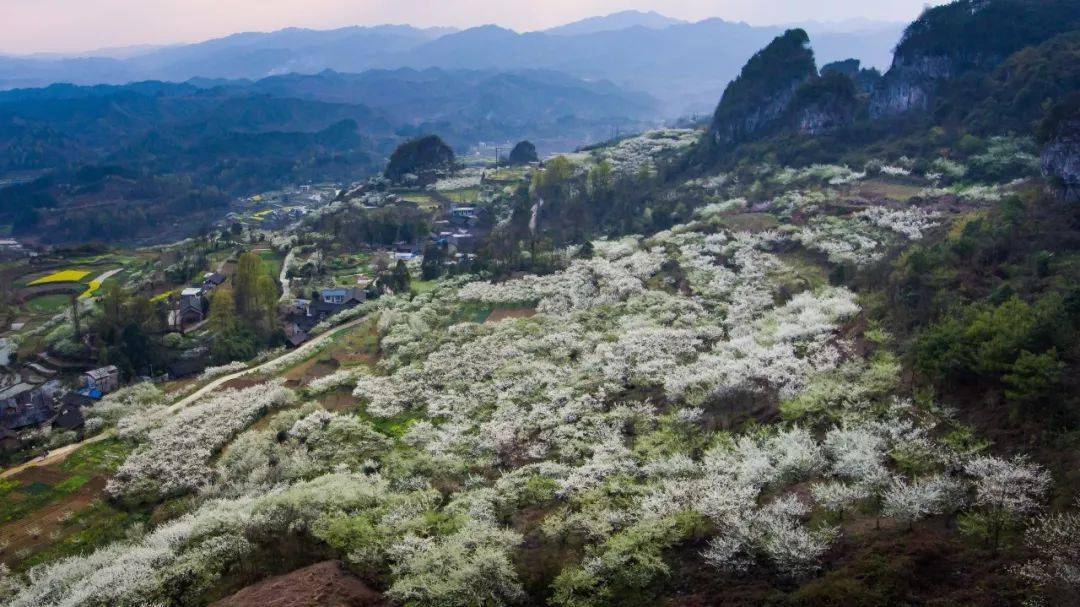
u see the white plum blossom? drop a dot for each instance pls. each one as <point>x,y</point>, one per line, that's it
<point>1016,487</point>
<point>1055,543</point>
<point>838,496</point>
<point>212,372</point>
<point>639,153</point>
<point>175,458</point>
<point>468,178</point>
<point>921,497</point>
<point>894,171</point>
<point>858,455</point>
<point>911,222</point>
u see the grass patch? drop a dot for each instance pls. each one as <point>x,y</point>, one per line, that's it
<point>804,270</point>
<point>750,222</point>
<point>272,261</point>
<point>48,304</point>
<point>506,174</point>
<point>419,287</point>
<point>424,201</point>
<point>473,312</point>
<point>463,196</point>
<point>97,459</point>
<point>72,484</point>
<point>86,531</point>
<point>102,457</point>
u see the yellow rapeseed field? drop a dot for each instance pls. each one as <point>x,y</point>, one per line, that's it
<point>61,276</point>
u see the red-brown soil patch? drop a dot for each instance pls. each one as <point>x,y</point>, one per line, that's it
<point>241,383</point>
<point>41,474</point>
<point>305,372</point>
<point>45,526</point>
<point>338,401</point>
<point>326,584</point>
<point>503,313</point>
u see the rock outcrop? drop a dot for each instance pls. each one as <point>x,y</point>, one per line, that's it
<point>421,158</point>
<point>758,100</point>
<point>824,104</point>
<point>949,41</point>
<point>1060,134</point>
<point>865,79</point>
<point>909,84</point>
<point>523,153</point>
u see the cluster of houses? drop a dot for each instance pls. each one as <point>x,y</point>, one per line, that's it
<point>304,314</point>
<point>25,407</point>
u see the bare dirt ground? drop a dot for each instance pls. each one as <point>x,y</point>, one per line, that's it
<point>339,402</point>
<point>305,372</point>
<point>45,526</point>
<point>326,584</point>
<point>503,313</point>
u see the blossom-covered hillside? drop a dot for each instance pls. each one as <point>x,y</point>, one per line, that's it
<point>661,416</point>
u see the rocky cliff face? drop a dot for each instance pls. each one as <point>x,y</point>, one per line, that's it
<point>824,104</point>
<point>1061,149</point>
<point>821,119</point>
<point>759,99</point>
<point>758,118</point>
<point>910,83</point>
<point>949,41</point>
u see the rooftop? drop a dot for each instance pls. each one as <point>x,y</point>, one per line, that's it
<point>13,391</point>
<point>103,372</point>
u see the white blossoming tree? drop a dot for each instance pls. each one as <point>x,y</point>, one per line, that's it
<point>1006,493</point>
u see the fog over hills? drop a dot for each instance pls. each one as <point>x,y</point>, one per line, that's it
<point>684,65</point>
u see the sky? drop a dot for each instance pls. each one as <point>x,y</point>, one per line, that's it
<point>72,26</point>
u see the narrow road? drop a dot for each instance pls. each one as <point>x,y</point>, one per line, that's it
<point>60,454</point>
<point>100,280</point>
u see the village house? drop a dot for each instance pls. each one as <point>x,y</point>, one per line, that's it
<point>212,280</point>
<point>405,252</point>
<point>24,405</point>
<point>104,379</point>
<point>343,295</point>
<point>304,314</point>
<point>192,308</point>
<point>468,212</point>
<point>80,398</point>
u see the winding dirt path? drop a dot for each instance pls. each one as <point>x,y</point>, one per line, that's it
<point>60,454</point>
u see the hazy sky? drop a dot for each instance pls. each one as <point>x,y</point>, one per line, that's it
<point>28,26</point>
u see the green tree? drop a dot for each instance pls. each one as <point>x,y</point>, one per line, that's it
<point>400,278</point>
<point>222,311</point>
<point>1034,376</point>
<point>432,265</point>
<point>267,298</point>
<point>248,270</point>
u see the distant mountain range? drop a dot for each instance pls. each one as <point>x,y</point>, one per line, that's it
<point>684,65</point>
<point>156,143</point>
<point>88,123</point>
<point>615,21</point>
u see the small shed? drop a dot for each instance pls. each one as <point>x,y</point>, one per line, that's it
<point>69,418</point>
<point>105,379</point>
<point>81,398</point>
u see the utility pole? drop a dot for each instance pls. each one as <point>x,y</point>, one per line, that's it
<point>75,317</point>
